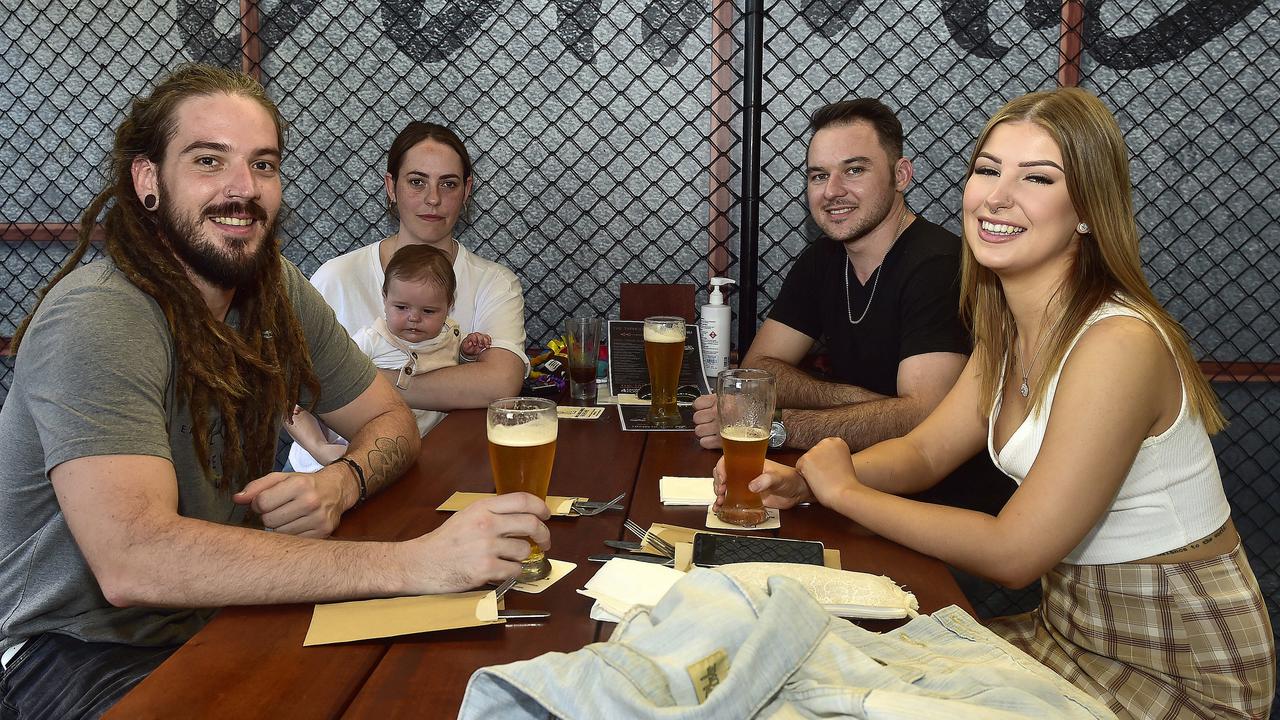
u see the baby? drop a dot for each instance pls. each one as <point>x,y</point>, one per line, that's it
<point>415,336</point>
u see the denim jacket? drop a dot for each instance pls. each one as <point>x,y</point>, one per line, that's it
<point>714,649</point>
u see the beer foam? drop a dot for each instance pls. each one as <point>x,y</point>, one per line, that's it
<point>526,435</point>
<point>663,334</point>
<point>742,433</point>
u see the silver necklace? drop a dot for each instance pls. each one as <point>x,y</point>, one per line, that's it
<point>1025,389</point>
<point>848,303</point>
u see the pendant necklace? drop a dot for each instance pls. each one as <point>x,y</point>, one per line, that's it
<point>1025,389</point>
<point>848,303</point>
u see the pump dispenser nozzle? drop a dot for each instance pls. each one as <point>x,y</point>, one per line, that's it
<point>717,297</point>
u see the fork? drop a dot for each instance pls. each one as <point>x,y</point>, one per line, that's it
<point>587,509</point>
<point>504,587</point>
<point>658,543</point>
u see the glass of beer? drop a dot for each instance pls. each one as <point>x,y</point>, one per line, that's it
<point>664,353</point>
<point>744,402</point>
<point>582,335</point>
<point>522,448</point>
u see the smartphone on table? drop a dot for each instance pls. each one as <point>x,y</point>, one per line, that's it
<point>710,550</point>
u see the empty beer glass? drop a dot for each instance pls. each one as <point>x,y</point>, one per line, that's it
<point>583,337</point>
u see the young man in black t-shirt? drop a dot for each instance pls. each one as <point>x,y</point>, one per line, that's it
<point>881,288</point>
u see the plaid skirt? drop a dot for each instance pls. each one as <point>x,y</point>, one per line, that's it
<point>1184,640</point>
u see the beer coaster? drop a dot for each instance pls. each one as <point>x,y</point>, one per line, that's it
<point>570,412</point>
<point>559,568</point>
<point>772,522</point>
<point>556,504</point>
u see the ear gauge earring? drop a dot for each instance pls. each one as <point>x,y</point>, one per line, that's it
<point>1083,228</point>
<point>150,201</point>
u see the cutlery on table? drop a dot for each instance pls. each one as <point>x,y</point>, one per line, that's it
<point>589,507</point>
<point>514,614</point>
<point>640,557</point>
<point>656,542</point>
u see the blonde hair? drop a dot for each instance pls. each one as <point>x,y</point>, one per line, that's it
<point>1107,265</point>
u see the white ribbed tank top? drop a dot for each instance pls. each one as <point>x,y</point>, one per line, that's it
<point>1171,496</point>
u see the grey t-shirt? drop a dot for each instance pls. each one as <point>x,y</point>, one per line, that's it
<point>95,376</point>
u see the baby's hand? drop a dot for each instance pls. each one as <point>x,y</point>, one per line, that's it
<point>476,343</point>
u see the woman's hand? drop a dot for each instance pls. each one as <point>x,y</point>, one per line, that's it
<point>779,486</point>
<point>827,470</point>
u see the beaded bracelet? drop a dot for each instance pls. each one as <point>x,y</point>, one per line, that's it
<point>359,471</point>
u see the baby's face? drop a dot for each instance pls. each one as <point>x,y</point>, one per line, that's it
<point>415,310</point>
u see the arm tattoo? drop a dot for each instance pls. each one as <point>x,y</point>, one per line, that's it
<point>388,459</point>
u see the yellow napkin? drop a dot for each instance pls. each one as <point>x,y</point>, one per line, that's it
<point>364,619</point>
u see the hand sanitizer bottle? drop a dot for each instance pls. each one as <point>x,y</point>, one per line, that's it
<point>714,325</point>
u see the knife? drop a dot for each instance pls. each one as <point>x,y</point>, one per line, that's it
<point>514,614</point>
<point>659,559</point>
<point>622,545</point>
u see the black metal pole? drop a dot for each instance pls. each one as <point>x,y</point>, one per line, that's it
<point>749,228</point>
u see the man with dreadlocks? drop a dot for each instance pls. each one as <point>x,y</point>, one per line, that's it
<point>148,392</point>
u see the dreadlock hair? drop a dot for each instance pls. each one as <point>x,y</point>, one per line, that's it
<point>252,376</point>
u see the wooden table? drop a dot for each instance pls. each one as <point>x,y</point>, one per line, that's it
<point>249,662</point>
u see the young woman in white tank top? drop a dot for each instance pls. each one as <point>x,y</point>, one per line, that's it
<point>1085,392</point>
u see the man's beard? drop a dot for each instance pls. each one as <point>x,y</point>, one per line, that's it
<point>228,267</point>
<point>875,214</point>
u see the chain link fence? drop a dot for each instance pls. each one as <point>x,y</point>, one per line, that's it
<point>603,138</point>
<point>608,143</point>
<point>1198,99</point>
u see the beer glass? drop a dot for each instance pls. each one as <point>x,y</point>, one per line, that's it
<point>664,353</point>
<point>522,448</point>
<point>583,336</point>
<point>744,402</point>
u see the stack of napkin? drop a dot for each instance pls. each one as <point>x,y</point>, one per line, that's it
<point>686,491</point>
<point>623,584</point>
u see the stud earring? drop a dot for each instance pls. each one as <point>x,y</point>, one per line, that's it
<point>150,201</point>
<point>1083,228</point>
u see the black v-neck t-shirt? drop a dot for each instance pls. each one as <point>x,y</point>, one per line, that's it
<point>915,308</point>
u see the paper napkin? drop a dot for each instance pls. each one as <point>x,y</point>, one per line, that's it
<point>623,584</point>
<point>686,490</point>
